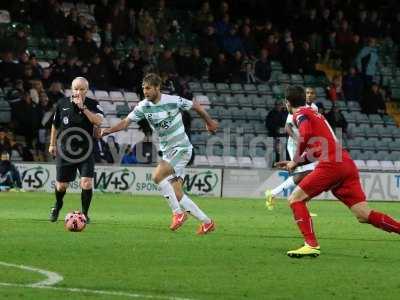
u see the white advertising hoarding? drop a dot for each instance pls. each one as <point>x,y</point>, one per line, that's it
<point>253,183</point>
<point>135,180</point>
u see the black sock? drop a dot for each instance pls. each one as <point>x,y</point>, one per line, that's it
<point>59,199</point>
<point>86,198</point>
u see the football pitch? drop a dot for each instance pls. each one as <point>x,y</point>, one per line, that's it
<point>128,252</point>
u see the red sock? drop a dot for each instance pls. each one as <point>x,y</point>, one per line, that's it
<point>383,222</point>
<point>304,221</point>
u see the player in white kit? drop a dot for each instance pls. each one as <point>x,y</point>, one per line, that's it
<point>163,112</point>
<point>301,171</point>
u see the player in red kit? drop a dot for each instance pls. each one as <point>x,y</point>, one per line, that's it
<point>335,171</point>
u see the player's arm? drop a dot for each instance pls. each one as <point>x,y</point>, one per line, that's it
<point>53,133</point>
<point>123,124</point>
<point>211,124</point>
<point>305,129</point>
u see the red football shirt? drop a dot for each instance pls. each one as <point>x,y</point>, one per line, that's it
<point>317,141</point>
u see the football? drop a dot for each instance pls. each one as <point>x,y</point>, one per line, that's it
<point>75,221</point>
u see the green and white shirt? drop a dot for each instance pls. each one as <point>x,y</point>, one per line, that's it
<point>165,118</point>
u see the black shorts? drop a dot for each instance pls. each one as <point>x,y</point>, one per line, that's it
<point>66,172</point>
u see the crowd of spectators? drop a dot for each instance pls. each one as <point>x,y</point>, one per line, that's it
<point>113,43</point>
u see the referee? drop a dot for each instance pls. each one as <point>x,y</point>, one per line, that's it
<point>71,142</point>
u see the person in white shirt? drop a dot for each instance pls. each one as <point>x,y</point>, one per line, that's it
<point>301,171</point>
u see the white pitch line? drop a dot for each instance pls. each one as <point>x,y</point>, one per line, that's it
<point>54,278</point>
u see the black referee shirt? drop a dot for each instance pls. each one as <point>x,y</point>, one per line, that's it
<point>74,128</point>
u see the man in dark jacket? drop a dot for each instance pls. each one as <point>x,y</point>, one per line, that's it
<point>9,175</point>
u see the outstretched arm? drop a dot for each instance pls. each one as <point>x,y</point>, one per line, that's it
<point>123,124</point>
<point>211,124</point>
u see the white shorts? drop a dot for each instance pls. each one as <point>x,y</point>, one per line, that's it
<point>178,158</point>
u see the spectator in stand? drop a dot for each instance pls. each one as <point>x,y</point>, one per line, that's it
<point>248,42</point>
<point>19,42</point>
<point>9,175</point>
<point>107,35</point>
<point>46,113</point>
<point>196,65</point>
<point>307,59</point>
<point>272,46</point>
<point>208,43</point>
<point>8,68</point>
<point>98,73</point>
<point>101,12</point>
<point>373,101</point>
<point>25,115</point>
<point>352,86</point>
<point>344,36</point>
<point>361,25</point>
<point>58,68</point>
<point>350,51</point>
<point>335,91</point>
<point>202,17</point>
<point>263,67</point>
<point>237,67</point>
<point>290,60</point>
<point>166,62</point>
<point>336,119</point>
<point>232,42</point>
<point>219,69</point>
<point>367,61</point>
<point>146,26</point>
<point>71,69</point>
<point>276,119</point>
<point>87,48</point>
<point>5,145</point>
<point>69,48</point>
<point>55,92</point>
<point>36,68</point>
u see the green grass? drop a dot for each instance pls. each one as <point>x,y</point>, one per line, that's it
<point>128,248</point>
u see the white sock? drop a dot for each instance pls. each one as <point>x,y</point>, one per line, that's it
<point>169,195</point>
<point>194,210</point>
<point>287,184</point>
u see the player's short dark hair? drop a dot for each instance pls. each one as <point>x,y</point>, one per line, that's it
<point>152,79</point>
<point>296,96</point>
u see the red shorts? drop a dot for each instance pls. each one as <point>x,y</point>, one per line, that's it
<point>341,178</point>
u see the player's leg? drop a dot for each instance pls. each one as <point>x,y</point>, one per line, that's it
<point>351,194</point>
<point>288,184</point>
<point>189,206</point>
<point>86,170</point>
<point>64,175</point>
<point>322,178</point>
<point>270,195</point>
<point>162,176</point>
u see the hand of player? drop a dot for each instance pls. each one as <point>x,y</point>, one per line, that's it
<point>53,150</point>
<point>282,164</point>
<point>212,126</point>
<point>104,132</point>
<point>291,165</point>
